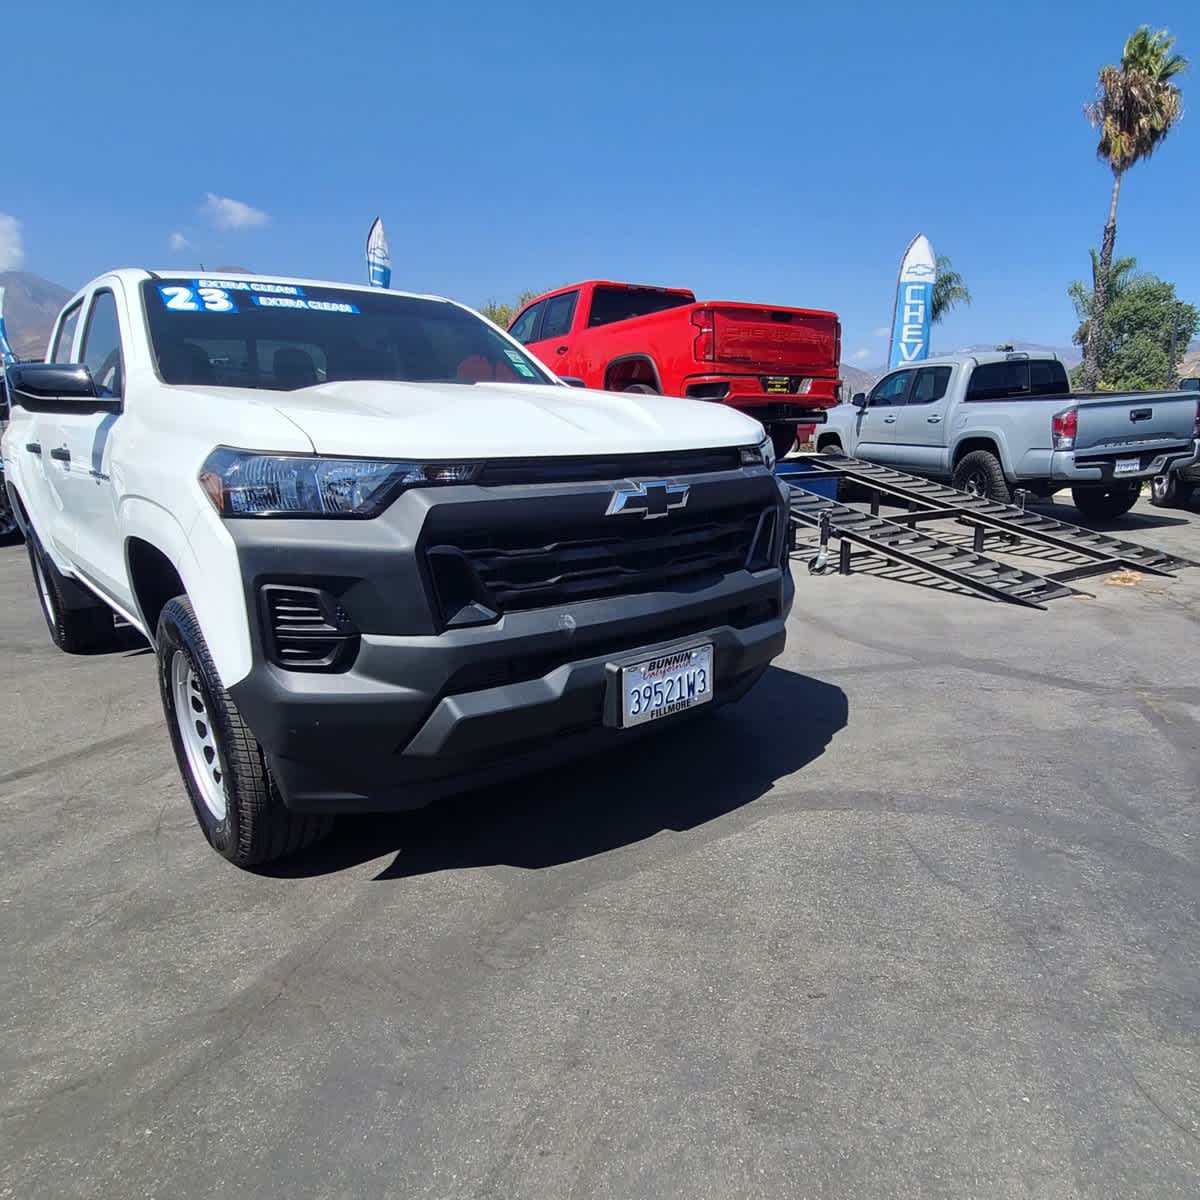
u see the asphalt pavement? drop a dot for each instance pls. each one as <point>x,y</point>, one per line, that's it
<point>918,918</point>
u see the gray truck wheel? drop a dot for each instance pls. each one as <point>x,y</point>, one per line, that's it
<point>235,800</point>
<point>1104,503</point>
<point>77,621</point>
<point>980,473</point>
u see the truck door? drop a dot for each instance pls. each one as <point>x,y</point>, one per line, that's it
<point>79,454</point>
<point>51,522</point>
<point>553,345</point>
<point>920,428</point>
<point>876,424</point>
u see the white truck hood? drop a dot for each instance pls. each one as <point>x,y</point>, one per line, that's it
<point>412,421</point>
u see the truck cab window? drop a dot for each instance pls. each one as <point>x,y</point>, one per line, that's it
<point>930,385</point>
<point>559,312</point>
<point>1014,378</point>
<point>890,390</point>
<point>525,327</point>
<point>64,340</point>
<point>101,349</point>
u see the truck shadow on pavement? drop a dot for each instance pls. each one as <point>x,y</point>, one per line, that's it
<point>684,778</point>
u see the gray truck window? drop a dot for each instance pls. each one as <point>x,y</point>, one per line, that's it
<point>930,385</point>
<point>559,311</point>
<point>890,390</point>
<point>65,339</point>
<point>525,327</point>
<point>1015,378</point>
<point>101,349</point>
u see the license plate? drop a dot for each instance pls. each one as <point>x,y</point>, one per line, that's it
<point>1127,466</point>
<point>671,683</point>
<point>777,384</point>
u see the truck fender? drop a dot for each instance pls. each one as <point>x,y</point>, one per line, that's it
<point>205,560</point>
<point>632,368</point>
<point>988,438</point>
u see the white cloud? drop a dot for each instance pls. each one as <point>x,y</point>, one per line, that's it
<point>859,355</point>
<point>882,331</point>
<point>225,213</point>
<point>179,243</point>
<point>12,252</point>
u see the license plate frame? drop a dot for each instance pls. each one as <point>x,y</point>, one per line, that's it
<point>1127,466</point>
<point>669,671</point>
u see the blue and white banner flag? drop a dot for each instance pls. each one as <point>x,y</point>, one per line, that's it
<point>6,354</point>
<point>914,303</point>
<point>379,257</point>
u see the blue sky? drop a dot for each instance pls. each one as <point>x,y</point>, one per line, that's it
<point>783,152</point>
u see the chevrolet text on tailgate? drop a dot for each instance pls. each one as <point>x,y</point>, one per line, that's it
<point>780,365</point>
<point>381,553</point>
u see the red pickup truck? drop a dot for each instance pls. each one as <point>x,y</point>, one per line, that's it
<point>780,365</point>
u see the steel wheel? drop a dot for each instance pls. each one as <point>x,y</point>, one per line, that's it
<point>198,735</point>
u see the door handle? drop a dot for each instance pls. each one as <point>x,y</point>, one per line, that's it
<point>61,454</point>
<point>933,420</point>
<point>889,420</point>
<point>561,349</point>
<point>34,447</point>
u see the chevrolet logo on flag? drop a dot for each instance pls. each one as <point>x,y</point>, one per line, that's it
<point>654,498</point>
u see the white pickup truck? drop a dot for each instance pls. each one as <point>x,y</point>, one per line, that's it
<point>992,422</point>
<point>381,551</point>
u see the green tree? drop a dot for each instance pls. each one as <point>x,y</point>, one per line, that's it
<point>502,314</point>
<point>1145,327</point>
<point>1135,107</point>
<point>949,290</point>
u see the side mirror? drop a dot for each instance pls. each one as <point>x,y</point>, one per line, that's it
<point>572,381</point>
<point>860,400</point>
<point>57,387</point>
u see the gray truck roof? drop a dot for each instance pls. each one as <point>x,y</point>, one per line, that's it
<point>982,356</point>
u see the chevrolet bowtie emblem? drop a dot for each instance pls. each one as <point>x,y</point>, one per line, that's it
<point>654,498</point>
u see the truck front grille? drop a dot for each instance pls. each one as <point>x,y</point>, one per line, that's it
<point>594,557</point>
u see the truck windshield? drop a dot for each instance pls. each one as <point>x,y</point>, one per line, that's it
<point>611,304</point>
<point>238,332</point>
<point>1018,377</point>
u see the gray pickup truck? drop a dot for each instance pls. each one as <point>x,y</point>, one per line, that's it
<point>998,421</point>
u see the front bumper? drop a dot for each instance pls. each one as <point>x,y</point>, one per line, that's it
<point>1065,467</point>
<point>423,711</point>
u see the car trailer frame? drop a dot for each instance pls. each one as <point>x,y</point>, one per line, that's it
<point>899,539</point>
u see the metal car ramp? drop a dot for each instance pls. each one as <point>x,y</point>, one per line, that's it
<point>929,501</point>
<point>901,543</point>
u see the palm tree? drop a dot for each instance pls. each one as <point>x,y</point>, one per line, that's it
<point>1135,108</point>
<point>949,291</point>
<point>1121,274</point>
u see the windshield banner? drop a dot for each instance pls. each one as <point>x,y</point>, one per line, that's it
<point>914,304</point>
<point>6,354</point>
<point>379,257</point>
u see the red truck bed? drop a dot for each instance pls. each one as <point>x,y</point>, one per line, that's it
<point>780,365</point>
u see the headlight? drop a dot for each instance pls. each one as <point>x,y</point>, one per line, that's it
<point>241,483</point>
<point>763,454</point>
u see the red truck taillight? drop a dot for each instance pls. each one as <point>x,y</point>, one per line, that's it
<point>1063,428</point>
<point>704,345</point>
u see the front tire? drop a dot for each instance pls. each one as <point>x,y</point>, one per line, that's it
<point>981,473</point>
<point>1105,503</point>
<point>77,621</point>
<point>236,802</point>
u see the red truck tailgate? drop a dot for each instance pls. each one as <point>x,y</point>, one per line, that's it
<point>787,340</point>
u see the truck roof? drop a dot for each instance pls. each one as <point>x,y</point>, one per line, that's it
<point>981,356</point>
